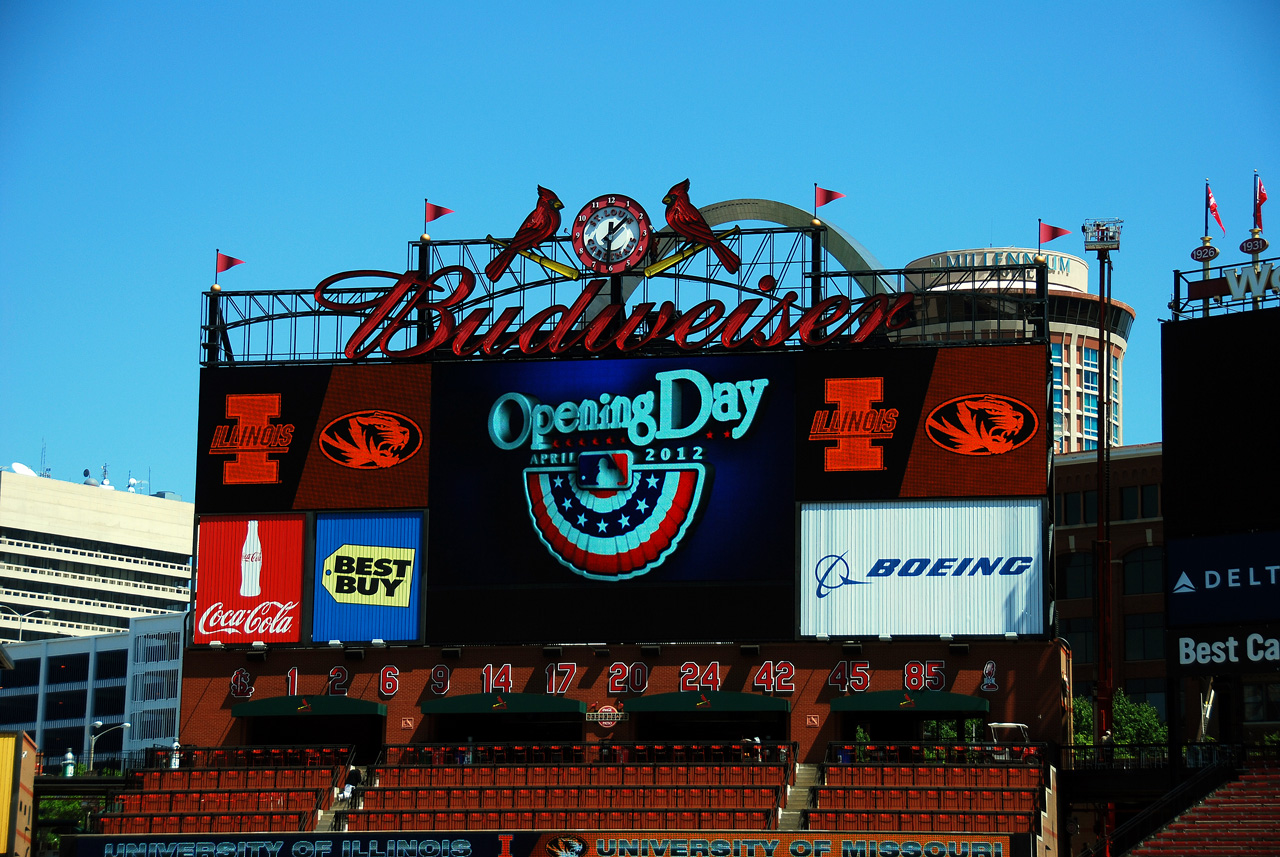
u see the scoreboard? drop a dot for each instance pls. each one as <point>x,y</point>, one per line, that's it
<point>757,496</point>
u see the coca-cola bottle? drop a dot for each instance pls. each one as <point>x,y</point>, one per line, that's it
<point>251,563</point>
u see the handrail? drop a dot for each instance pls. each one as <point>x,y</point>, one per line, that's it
<point>339,778</point>
<point>917,752</point>
<point>582,752</point>
<point>1168,807</point>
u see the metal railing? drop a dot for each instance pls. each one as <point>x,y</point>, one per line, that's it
<point>949,306</point>
<point>1225,289</point>
<point>585,753</point>
<point>923,753</point>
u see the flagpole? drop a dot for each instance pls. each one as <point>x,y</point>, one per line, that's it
<point>1040,234</point>
<point>1206,206</point>
<point>815,200</point>
<point>1256,211</point>
<point>216,251</point>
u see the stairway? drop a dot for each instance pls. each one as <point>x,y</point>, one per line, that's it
<point>1242,817</point>
<point>798,796</point>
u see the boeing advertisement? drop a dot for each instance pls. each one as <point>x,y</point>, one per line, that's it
<point>972,567</point>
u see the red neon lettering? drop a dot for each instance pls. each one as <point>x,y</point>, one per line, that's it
<point>692,322</point>
<point>391,313</point>
<point>813,320</point>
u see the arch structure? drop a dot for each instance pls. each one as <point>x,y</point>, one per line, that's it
<point>840,245</point>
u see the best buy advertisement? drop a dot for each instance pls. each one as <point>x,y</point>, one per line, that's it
<point>368,577</point>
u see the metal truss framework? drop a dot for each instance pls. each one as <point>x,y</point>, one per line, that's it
<point>950,306</point>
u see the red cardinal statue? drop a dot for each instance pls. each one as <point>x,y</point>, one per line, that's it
<point>689,224</point>
<point>540,225</point>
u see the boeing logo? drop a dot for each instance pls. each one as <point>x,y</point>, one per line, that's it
<point>832,571</point>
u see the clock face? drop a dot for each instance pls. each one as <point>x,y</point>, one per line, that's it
<point>611,234</point>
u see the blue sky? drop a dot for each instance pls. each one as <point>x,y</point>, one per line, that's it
<point>137,137</point>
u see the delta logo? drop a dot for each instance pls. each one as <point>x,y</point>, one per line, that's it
<point>370,440</point>
<point>981,424</point>
<point>369,575</point>
<point>615,514</point>
<point>853,425</point>
<point>252,438</point>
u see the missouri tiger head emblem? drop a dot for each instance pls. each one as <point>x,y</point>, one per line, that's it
<point>368,440</point>
<point>566,845</point>
<point>985,424</point>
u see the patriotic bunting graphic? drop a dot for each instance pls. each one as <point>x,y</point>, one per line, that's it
<point>606,518</point>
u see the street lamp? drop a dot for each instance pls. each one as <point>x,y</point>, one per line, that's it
<point>22,617</point>
<point>93,739</point>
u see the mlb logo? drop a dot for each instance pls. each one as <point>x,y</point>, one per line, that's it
<point>604,471</point>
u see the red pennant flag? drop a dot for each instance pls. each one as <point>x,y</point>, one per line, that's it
<point>821,196</point>
<point>1213,206</point>
<point>435,211</point>
<point>1048,233</point>
<point>225,262</point>
<point>1258,199</point>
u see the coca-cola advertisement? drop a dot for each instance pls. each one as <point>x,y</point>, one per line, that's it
<point>249,579</point>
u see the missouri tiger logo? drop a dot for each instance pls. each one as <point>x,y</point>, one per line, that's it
<point>981,424</point>
<point>566,845</point>
<point>370,440</point>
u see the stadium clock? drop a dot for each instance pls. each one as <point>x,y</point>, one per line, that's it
<point>611,234</point>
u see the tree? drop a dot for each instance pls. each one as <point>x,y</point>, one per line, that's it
<point>1131,722</point>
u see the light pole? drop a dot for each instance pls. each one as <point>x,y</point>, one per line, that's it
<point>22,617</point>
<point>1103,236</point>
<point>93,739</point>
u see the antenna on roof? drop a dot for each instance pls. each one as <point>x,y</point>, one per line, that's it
<point>20,468</point>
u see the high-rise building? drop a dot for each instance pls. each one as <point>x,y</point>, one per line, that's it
<point>1074,312</point>
<point>78,560</point>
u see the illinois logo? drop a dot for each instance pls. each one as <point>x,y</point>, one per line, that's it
<point>251,439</point>
<point>370,440</point>
<point>981,424</point>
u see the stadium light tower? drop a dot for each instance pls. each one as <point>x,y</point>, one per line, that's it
<point>1103,236</point>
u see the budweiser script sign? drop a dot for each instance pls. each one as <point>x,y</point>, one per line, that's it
<point>557,328</point>
<point>267,617</point>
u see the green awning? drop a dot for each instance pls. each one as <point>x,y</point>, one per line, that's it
<point>710,700</point>
<point>503,703</point>
<point>306,706</point>
<point>900,700</point>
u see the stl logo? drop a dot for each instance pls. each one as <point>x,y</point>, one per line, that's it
<point>607,518</point>
<point>368,440</point>
<point>241,684</point>
<point>854,424</point>
<point>251,438</point>
<point>981,424</point>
